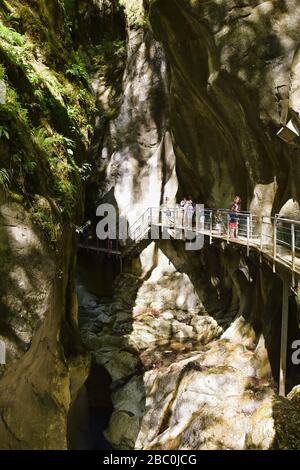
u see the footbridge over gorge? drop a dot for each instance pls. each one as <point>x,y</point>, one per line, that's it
<point>276,240</point>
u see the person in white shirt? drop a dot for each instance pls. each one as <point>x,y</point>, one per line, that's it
<point>182,211</point>
<point>189,213</point>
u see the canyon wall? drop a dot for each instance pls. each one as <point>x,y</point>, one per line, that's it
<point>45,123</point>
<point>138,102</point>
<point>231,82</point>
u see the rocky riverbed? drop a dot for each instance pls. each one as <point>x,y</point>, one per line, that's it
<point>178,380</point>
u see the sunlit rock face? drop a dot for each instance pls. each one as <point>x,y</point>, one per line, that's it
<point>234,70</point>
<point>192,342</point>
<point>38,382</point>
<point>45,365</point>
<point>142,331</point>
<point>138,148</point>
<point>182,380</point>
<point>29,271</point>
<point>215,400</point>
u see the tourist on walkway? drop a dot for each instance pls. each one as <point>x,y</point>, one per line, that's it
<point>168,213</point>
<point>233,216</point>
<point>182,209</point>
<point>218,222</point>
<point>189,210</point>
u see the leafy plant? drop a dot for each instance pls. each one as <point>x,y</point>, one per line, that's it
<point>5,178</point>
<point>4,133</point>
<point>108,50</point>
<point>53,142</point>
<point>2,72</point>
<point>78,69</point>
<point>43,217</point>
<point>111,48</point>
<point>24,162</point>
<point>69,6</point>
<point>59,150</point>
<point>14,107</point>
<point>85,171</point>
<point>11,36</point>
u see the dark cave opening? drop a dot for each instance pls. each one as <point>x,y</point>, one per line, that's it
<point>90,412</point>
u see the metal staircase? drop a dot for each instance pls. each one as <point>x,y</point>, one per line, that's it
<point>138,239</point>
<point>138,235</point>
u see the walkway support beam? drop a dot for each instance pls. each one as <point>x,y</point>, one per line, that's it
<point>248,235</point>
<point>284,336</point>
<point>293,253</point>
<point>261,238</point>
<point>274,244</point>
<point>228,230</point>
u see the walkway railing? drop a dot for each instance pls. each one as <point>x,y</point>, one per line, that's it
<point>277,236</point>
<point>91,242</point>
<point>139,229</point>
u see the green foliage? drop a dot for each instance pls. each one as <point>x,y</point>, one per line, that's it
<point>108,48</point>
<point>69,7</point>
<point>12,37</point>
<point>2,72</point>
<point>48,100</point>
<point>42,216</point>
<point>78,69</point>
<point>35,79</point>
<point>24,162</point>
<point>85,171</point>
<point>16,197</point>
<point>4,133</point>
<point>109,58</point>
<point>5,178</point>
<point>59,150</point>
<point>54,142</point>
<point>6,7</point>
<point>14,108</point>
<point>135,12</point>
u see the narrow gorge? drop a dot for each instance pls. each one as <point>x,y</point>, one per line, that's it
<point>148,344</point>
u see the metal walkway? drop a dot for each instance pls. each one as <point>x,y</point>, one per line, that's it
<point>276,239</point>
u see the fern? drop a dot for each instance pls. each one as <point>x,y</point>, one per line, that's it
<point>11,36</point>
<point>78,69</point>
<point>5,178</point>
<point>4,133</point>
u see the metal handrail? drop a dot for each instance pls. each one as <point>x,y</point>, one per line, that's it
<point>262,231</point>
<point>269,234</point>
<point>284,219</point>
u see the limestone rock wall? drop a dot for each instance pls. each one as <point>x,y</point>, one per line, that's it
<point>233,79</point>
<point>137,151</point>
<point>192,109</point>
<point>42,154</point>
